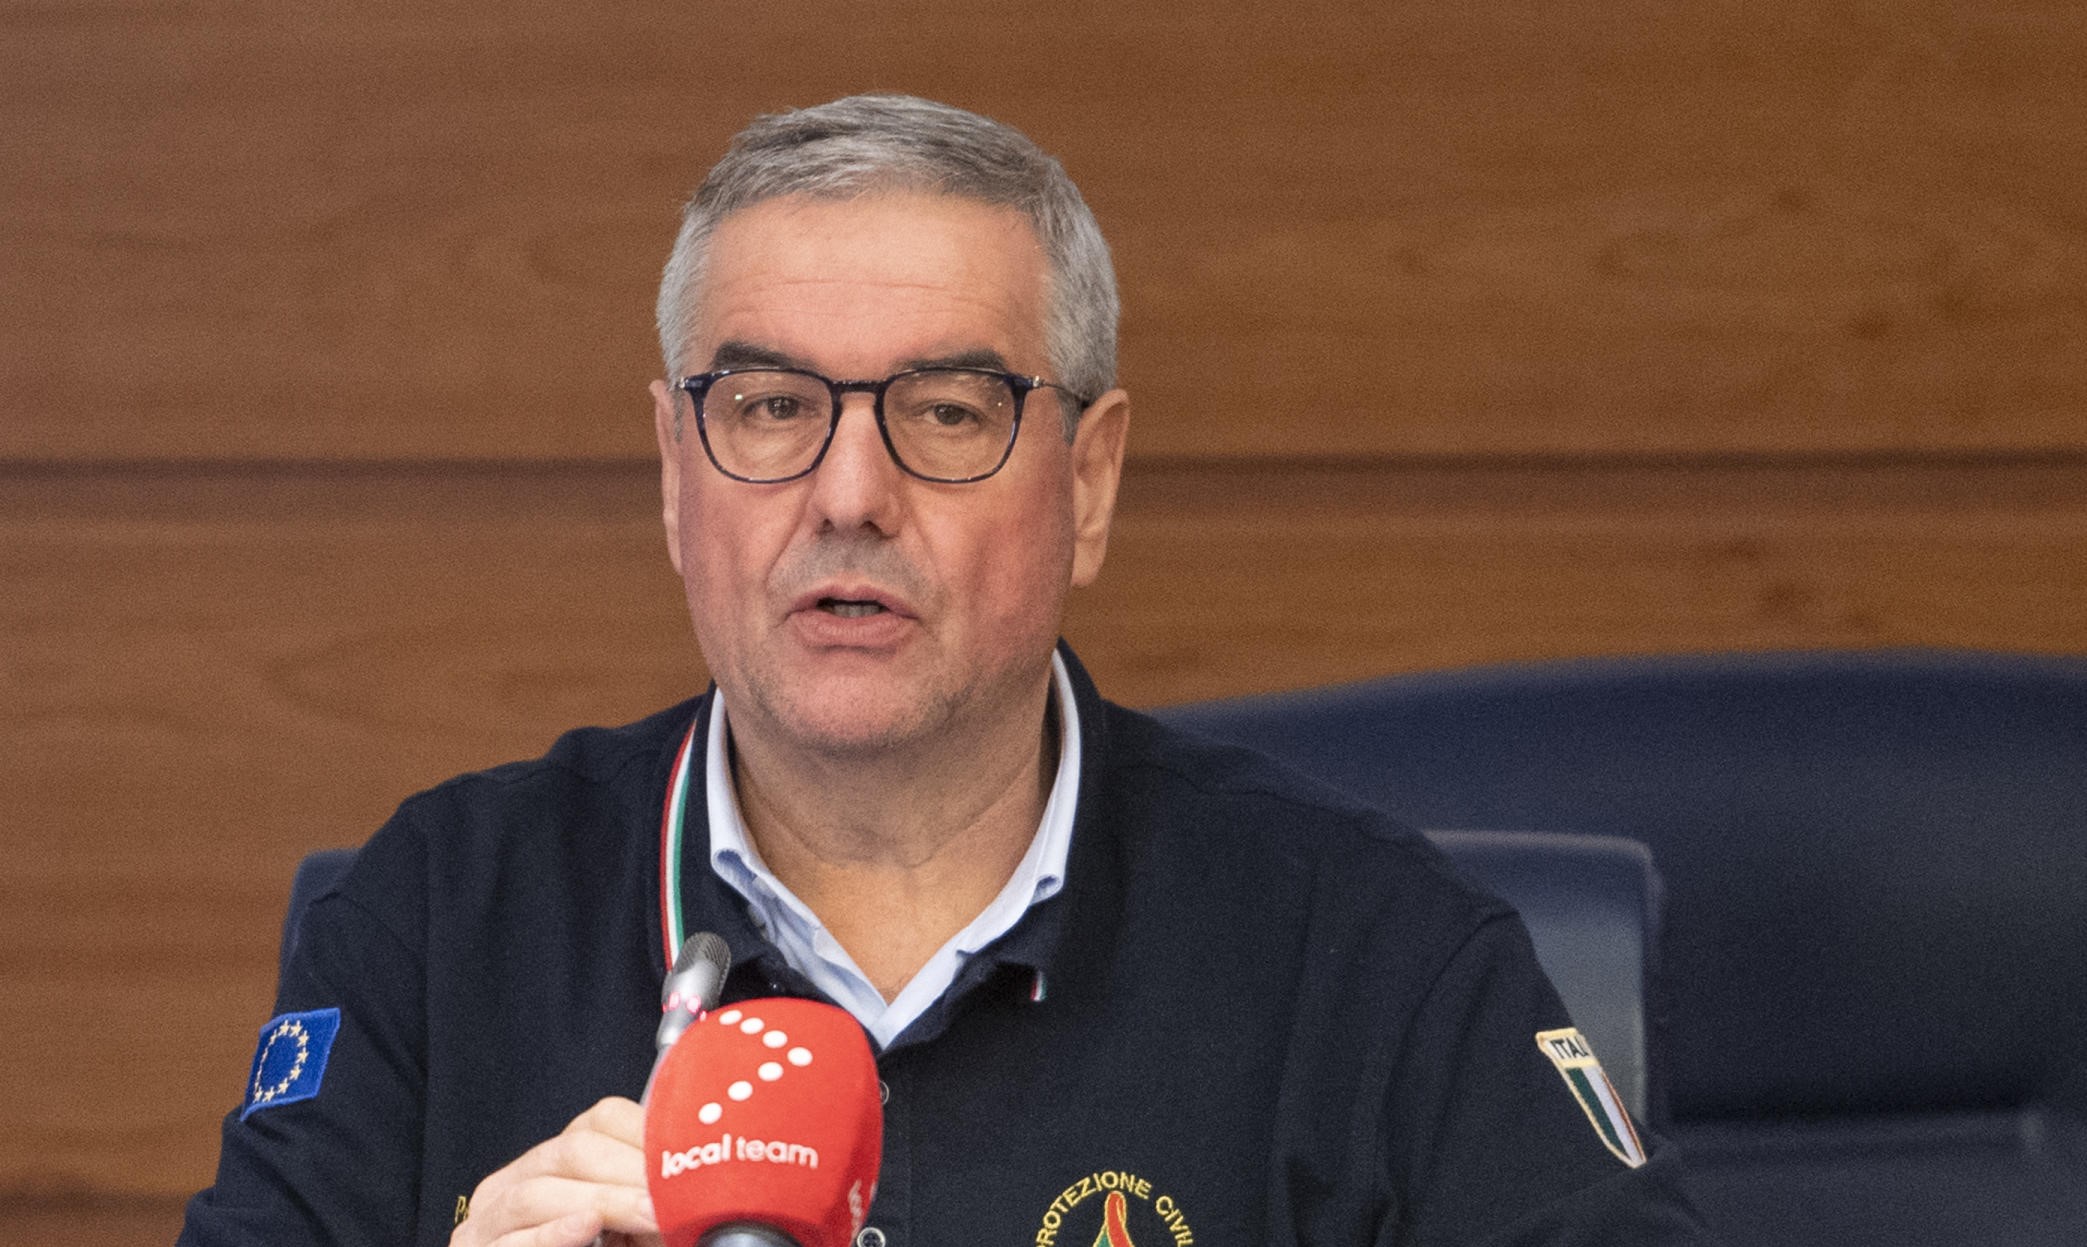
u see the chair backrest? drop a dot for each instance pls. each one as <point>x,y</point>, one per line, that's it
<point>1592,906</point>
<point>1876,862</point>
<point>318,871</point>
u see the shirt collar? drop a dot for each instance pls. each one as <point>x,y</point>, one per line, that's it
<point>804,941</point>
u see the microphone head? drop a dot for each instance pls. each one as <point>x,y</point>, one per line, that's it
<point>706,954</point>
<point>693,985</point>
<point>765,1114</point>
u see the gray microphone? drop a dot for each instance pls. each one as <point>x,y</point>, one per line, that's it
<point>693,986</point>
<point>692,989</point>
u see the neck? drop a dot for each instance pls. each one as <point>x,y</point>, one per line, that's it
<point>899,852</point>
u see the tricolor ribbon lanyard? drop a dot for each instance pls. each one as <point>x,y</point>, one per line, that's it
<point>672,822</point>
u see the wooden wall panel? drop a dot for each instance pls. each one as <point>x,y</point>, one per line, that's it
<point>89,1221</point>
<point>207,676</point>
<point>210,673</point>
<point>309,232</point>
<point>1253,579</point>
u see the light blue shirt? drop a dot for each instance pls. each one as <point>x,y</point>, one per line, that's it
<point>808,946</point>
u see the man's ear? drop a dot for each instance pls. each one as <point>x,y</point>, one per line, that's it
<point>667,426</point>
<point>1097,465</point>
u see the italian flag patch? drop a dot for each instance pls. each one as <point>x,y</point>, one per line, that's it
<point>1575,1061</point>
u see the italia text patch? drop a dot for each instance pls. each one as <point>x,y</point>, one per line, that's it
<point>1569,1051</point>
<point>291,1059</point>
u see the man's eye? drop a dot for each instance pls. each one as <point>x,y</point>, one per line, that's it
<point>952,415</point>
<point>772,408</point>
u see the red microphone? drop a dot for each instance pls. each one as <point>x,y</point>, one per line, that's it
<point>763,1126</point>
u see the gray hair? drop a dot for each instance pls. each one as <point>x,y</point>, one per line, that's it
<point>869,143</point>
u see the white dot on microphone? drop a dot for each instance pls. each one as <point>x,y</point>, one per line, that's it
<point>769,1071</point>
<point>800,1057</point>
<point>752,1026</point>
<point>728,1017</point>
<point>775,1039</point>
<point>740,1090</point>
<point>709,1113</point>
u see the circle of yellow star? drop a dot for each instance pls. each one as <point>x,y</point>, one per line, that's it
<point>288,1030</point>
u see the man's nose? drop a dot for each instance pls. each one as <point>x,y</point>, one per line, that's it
<point>857,484</point>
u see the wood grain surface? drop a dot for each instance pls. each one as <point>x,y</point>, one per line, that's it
<point>83,1219</point>
<point>211,672</point>
<point>381,232</point>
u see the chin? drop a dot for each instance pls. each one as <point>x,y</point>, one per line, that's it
<point>857,735</point>
<point>841,718</point>
<point>846,710</point>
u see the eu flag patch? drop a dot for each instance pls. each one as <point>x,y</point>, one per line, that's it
<point>291,1060</point>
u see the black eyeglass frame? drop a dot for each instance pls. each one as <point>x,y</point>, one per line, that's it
<point>696,387</point>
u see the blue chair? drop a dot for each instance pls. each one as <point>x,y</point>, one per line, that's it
<point>1875,955</point>
<point>319,871</point>
<point>1592,905</point>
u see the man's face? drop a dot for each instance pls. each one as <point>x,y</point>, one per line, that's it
<point>860,608</point>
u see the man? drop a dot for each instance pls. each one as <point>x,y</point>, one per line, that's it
<point>1125,987</point>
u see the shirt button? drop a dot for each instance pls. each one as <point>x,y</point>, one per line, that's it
<point>883,1097</point>
<point>871,1236</point>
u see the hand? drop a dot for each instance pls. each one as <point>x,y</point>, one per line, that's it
<point>587,1181</point>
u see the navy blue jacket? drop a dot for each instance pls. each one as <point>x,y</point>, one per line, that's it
<point>1268,1015</point>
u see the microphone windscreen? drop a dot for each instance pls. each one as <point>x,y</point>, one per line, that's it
<point>765,1113</point>
<point>692,986</point>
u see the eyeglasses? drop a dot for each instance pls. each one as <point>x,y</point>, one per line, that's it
<point>948,425</point>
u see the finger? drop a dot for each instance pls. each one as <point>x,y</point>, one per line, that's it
<point>630,1212</point>
<point>539,1201</point>
<point>587,1155</point>
<point>578,1229</point>
<point>581,1151</point>
<point>593,1168</point>
<point>614,1116</point>
<point>510,1201</point>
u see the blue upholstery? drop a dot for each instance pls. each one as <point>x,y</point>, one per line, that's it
<point>319,870</point>
<point>1592,906</point>
<point>1876,926</point>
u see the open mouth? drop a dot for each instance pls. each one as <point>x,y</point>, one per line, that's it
<point>849,609</point>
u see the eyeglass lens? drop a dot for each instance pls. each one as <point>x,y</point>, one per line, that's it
<point>945,423</point>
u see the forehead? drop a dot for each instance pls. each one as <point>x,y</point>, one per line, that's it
<point>864,284</point>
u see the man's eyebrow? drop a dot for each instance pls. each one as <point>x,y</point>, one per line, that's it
<point>734,353</point>
<point>977,357</point>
